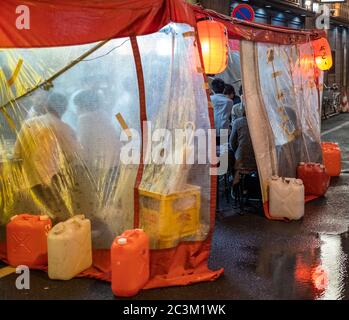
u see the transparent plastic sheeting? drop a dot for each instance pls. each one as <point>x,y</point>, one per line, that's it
<point>60,145</point>
<point>290,94</point>
<point>175,101</point>
<point>232,74</point>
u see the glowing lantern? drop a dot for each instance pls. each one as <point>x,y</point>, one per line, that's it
<point>323,55</point>
<point>214,45</point>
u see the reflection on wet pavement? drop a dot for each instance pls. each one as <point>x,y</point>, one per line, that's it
<point>319,273</point>
<point>334,258</point>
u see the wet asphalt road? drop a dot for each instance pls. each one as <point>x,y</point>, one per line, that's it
<point>263,259</point>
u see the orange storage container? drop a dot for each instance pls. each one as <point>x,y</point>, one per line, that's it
<point>315,178</point>
<point>130,263</point>
<point>332,158</point>
<point>26,237</point>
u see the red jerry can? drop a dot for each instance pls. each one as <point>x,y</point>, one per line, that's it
<point>332,158</point>
<point>26,239</point>
<point>130,263</point>
<point>315,178</point>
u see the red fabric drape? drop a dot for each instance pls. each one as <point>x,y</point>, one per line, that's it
<point>72,22</point>
<point>239,29</point>
<point>180,266</point>
<point>143,119</point>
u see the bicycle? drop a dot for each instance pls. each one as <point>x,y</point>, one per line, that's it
<point>331,101</point>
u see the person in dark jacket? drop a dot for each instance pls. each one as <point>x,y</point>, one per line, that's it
<point>289,154</point>
<point>241,144</point>
<point>229,91</point>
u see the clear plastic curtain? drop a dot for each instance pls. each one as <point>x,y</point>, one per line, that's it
<point>282,89</point>
<point>176,102</point>
<point>63,151</point>
<point>232,74</point>
<point>291,100</point>
<point>61,143</point>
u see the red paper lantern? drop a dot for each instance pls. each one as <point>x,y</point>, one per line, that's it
<point>323,54</point>
<point>214,45</point>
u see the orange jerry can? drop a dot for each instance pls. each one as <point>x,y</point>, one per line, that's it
<point>332,158</point>
<point>26,239</point>
<point>130,263</point>
<point>315,178</point>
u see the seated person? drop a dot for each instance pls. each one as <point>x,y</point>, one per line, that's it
<point>289,154</point>
<point>241,144</point>
<point>300,147</point>
<point>222,107</point>
<point>238,109</point>
<point>229,91</point>
<point>48,148</point>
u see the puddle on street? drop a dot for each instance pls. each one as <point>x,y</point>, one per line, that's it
<point>319,273</point>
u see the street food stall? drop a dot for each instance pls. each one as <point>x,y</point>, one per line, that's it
<point>281,73</point>
<point>86,92</point>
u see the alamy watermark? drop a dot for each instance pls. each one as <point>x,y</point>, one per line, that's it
<point>323,20</point>
<point>23,17</point>
<point>23,281</point>
<point>185,147</point>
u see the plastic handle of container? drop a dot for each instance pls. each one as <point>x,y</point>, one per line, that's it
<point>299,182</point>
<point>285,180</point>
<point>79,217</point>
<point>59,228</point>
<point>27,217</point>
<point>134,233</point>
<point>76,224</point>
<point>137,232</point>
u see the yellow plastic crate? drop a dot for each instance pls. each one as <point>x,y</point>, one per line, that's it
<point>168,218</point>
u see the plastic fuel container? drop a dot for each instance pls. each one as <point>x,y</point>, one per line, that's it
<point>26,239</point>
<point>130,262</point>
<point>286,198</point>
<point>315,178</point>
<point>332,158</point>
<point>69,248</point>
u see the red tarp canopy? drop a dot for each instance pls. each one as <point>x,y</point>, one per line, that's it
<point>239,29</point>
<point>73,22</point>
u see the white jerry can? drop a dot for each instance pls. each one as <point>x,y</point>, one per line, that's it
<point>286,198</point>
<point>69,248</point>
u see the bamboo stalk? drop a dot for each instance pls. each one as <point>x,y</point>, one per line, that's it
<point>57,74</point>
